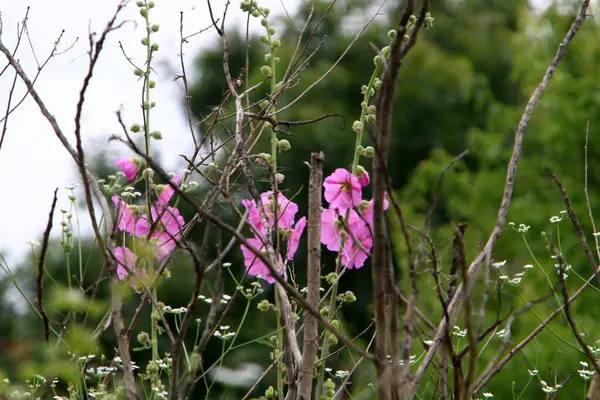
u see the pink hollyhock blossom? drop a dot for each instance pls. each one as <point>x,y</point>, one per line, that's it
<point>170,218</point>
<point>167,192</point>
<point>331,227</point>
<point>254,264</point>
<point>287,209</point>
<point>136,225</point>
<point>164,244</point>
<point>352,255</point>
<point>364,178</point>
<point>125,257</point>
<point>342,189</point>
<point>254,216</point>
<point>294,239</point>
<point>367,212</point>
<point>128,167</point>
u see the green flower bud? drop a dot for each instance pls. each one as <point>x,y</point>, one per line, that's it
<point>369,152</point>
<point>360,171</point>
<point>386,51</point>
<point>154,28</point>
<point>264,22</point>
<point>154,47</point>
<point>363,89</point>
<point>357,126</point>
<point>140,4</point>
<point>151,84</point>
<point>256,13</point>
<point>325,311</point>
<point>330,393</point>
<point>266,11</point>
<point>264,39</point>
<point>271,30</point>
<point>332,339</point>
<point>284,145</point>
<point>335,323</point>
<point>144,12</point>
<point>138,72</point>
<point>270,393</point>
<point>145,41</point>
<point>349,297</point>
<point>331,278</point>
<point>392,34</point>
<point>153,104</point>
<point>268,57</point>
<point>371,110</point>
<point>371,119</point>
<point>264,305</point>
<point>405,38</point>
<point>156,135</point>
<point>377,84</point>
<point>279,177</point>
<point>329,384</point>
<point>144,339</point>
<point>412,19</point>
<point>265,70</point>
<point>151,4</point>
<point>377,60</point>
<point>276,60</point>
<point>135,128</point>
<point>276,43</point>
<point>152,367</point>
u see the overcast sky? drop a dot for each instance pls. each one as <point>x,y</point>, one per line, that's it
<point>32,161</point>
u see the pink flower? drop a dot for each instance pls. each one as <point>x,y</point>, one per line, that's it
<point>128,167</point>
<point>286,213</point>
<point>364,179</point>
<point>352,255</point>
<point>254,216</point>
<point>368,210</point>
<point>331,227</point>
<point>125,257</point>
<point>342,189</point>
<point>294,239</point>
<point>136,225</point>
<point>164,244</point>
<point>254,264</point>
<point>170,219</point>
<point>167,192</point>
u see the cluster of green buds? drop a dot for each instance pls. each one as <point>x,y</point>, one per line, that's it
<point>367,151</point>
<point>347,297</point>
<point>329,387</point>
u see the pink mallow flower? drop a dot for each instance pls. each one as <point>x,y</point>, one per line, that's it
<point>125,257</point>
<point>294,239</point>
<point>254,216</point>
<point>135,225</point>
<point>286,215</point>
<point>331,227</point>
<point>164,243</point>
<point>167,192</point>
<point>363,178</point>
<point>128,167</point>
<point>352,255</point>
<point>170,218</point>
<point>254,264</point>
<point>342,189</point>
<point>367,208</point>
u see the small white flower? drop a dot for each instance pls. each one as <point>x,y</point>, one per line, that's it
<point>227,265</point>
<point>501,333</point>
<point>555,219</point>
<point>499,264</point>
<point>458,332</point>
<point>341,374</point>
<point>528,266</point>
<point>428,342</point>
<point>488,395</point>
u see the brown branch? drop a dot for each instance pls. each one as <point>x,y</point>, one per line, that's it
<point>508,187</point>
<point>39,299</point>
<point>311,329</point>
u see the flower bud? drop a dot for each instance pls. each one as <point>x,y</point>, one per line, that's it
<point>144,339</point>
<point>152,367</point>
<point>279,177</point>
<point>265,70</point>
<point>156,135</point>
<point>386,51</point>
<point>145,41</point>
<point>284,145</point>
<point>151,4</point>
<point>276,60</point>
<point>331,278</point>
<point>154,28</point>
<point>325,311</point>
<point>371,109</point>
<point>135,128</point>
<point>256,13</point>
<point>332,339</point>
<point>154,47</point>
<point>392,34</point>
<point>264,22</point>
<point>412,19</point>
<point>371,119</point>
<point>405,38</point>
<point>264,305</point>
<point>151,84</point>
<point>276,43</point>
<point>144,12</point>
<point>377,60</point>
<point>330,392</point>
<point>140,4</point>
<point>357,126</point>
<point>138,72</point>
<point>268,57</point>
<point>270,393</point>
<point>349,297</point>
<point>266,11</point>
<point>264,39</point>
<point>271,30</point>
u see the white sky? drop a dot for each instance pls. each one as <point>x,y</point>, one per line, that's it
<point>32,161</point>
